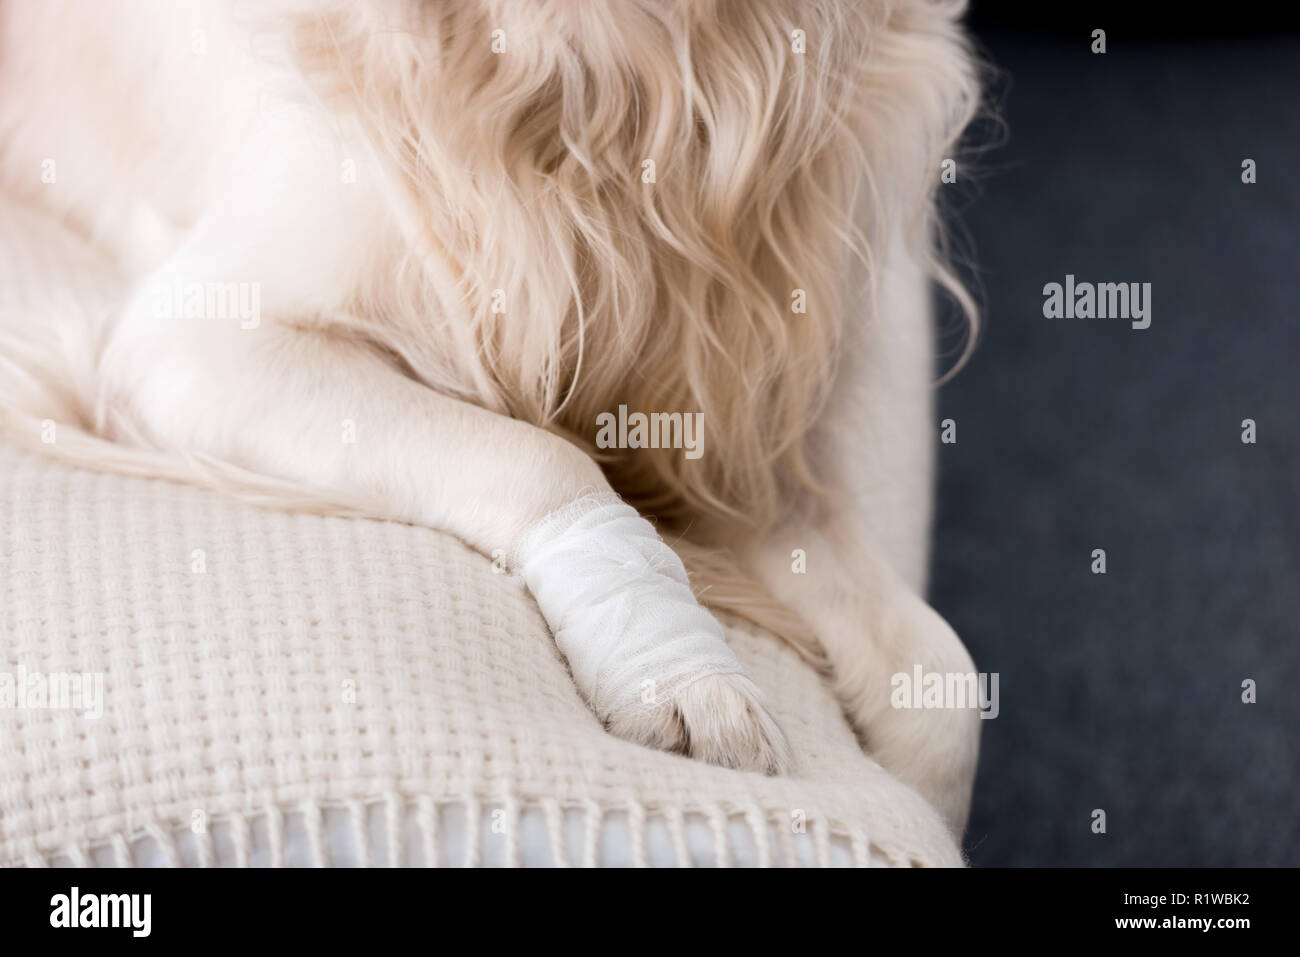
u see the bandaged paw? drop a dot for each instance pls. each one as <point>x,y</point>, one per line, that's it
<point>621,608</point>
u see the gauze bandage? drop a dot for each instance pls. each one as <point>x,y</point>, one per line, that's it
<point>620,605</point>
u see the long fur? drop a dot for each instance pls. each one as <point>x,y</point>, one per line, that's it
<point>517,181</point>
<point>523,173</point>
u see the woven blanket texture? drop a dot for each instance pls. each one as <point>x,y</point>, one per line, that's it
<point>263,670</point>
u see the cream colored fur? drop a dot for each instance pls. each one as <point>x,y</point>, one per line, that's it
<point>459,257</point>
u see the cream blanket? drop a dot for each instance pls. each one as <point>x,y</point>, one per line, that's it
<point>280,688</point>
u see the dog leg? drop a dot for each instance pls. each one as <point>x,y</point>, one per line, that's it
<point>874,627</point>
<point>866,553</point>
<point>622,610</point>
<point>649,658</point>
<point>281,400</point>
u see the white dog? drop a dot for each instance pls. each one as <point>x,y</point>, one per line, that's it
<point>409,258</point>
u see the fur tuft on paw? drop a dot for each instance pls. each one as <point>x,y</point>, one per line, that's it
<point>719,719</point>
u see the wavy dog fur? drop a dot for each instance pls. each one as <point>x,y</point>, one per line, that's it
<point>540,275</point>
<point>521,182</point>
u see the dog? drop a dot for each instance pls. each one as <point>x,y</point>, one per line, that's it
<point>408,258</point>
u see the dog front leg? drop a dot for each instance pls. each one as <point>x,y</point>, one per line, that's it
<point>335,416</point>
<point>875,628</point>
<point>864,554</point>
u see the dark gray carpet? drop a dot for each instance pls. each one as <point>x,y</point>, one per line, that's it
<point>1123,691</point>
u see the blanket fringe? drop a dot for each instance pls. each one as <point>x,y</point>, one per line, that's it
<point>395,831</point>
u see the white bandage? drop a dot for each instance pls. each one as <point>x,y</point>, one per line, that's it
<point>620,606</point>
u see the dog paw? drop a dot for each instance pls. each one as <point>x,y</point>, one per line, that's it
<point>652,662</point>
<point>719,719</point>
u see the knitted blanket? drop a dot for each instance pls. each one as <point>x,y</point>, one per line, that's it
<point>189,680</point>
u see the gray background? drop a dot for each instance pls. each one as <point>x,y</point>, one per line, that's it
<point>1123,691</point>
